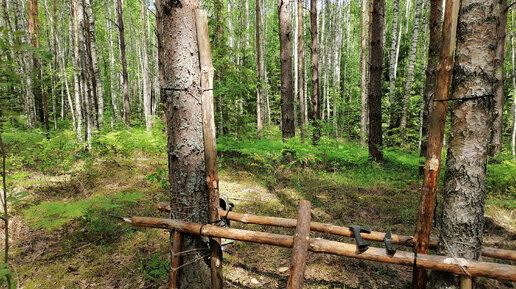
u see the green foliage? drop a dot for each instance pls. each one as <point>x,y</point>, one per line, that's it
<point>125,142</point>
<point>5,273</point>
<point>155,267</point>
<point>161,177</point>
<point>52,215</point>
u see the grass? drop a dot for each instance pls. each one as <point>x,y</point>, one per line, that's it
<point>264,177</point>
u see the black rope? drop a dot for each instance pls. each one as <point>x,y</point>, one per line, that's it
<point>184,89</point>
<point>462,99</point>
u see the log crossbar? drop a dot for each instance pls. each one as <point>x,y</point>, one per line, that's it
<point>459,266</point>
<point>341,231</point>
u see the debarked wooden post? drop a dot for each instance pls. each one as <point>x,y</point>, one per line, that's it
<point>300,247</point>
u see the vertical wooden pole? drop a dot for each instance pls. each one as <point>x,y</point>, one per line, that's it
<point>300,247</point>
<point>466,282</point>
<point>175,260</point>
<point>210,146</point>
<point>435,138</point>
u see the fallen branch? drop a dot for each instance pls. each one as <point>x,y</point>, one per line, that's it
<point>431,262</point>
<point>342,231</point>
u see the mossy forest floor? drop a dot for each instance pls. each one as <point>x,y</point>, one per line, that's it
<point>63,235</point>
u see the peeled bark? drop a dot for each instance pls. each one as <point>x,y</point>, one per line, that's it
<point>288,129</point>
<point>145,63</point>
<point>363,77</point>
<point>182,99</point>
<point>410,70</point>
<point>431,71</point>
<point>499,99</point>
<point>125,76</point>
<point>316,116</point>
<point>375,79</point>
<point>465,178</point>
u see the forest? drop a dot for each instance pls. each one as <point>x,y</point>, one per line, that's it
<point>378,116</point>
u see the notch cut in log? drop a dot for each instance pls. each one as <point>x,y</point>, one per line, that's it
<point>300,247</point>
<point>342,231</point>
<point>459,266</point>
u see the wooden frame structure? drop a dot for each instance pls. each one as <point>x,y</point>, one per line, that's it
<point>459,266</point>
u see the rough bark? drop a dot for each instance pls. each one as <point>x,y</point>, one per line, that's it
<point>187,171</point>
<point>300,247</point>
<point>431,71</point>
<point>363,76</point>
<point>288,129</point>
<point>375,79</point>
<point>499,99</point>
<point>465,178</point>
<point>410,70</point>
<point>147,105</point>
<point>125,77</point>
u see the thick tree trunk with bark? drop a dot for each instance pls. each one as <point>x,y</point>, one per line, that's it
<point>125,76</point>
<point>288,128</point>
<point>145,69</point>
<point>314,47</point>
<point>513,136</point>
<point>431,71</point>
<point>375,79</point>
<point>364,115</point>
<point>182,100</point>
<point>465,178</point>
<point>113,79</point>
<point>410,70</point>
<point>499,99</point>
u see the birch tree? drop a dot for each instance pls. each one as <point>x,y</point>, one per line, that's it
<point>465,179</point>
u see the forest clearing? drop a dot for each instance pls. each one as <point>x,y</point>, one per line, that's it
<point>265,143</point>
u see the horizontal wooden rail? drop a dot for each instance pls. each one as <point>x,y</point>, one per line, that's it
<point>459,266</point>
<point>341,231</point>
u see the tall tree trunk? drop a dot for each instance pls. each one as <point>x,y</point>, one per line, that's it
<point>76,63</point>
<point>465,179</point>
<point>410,70</point>
<point>363,75</point>
<point>187,171</point>
<point>499,98</point>
<point>513,137</point>
<point>314,47</point>
<point>375,79</point>
<point>260,67</point>
<point>393,59</point>
<point>436,135</point>
<point>40,97</point>
<point>288,128</point>
<point>301,79</point>
<point>145,63</point>
<point>113,79</point>
<point>87,74</point>
<point>99,90</point>
<point>431,71</point>
<point>125,77</point>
